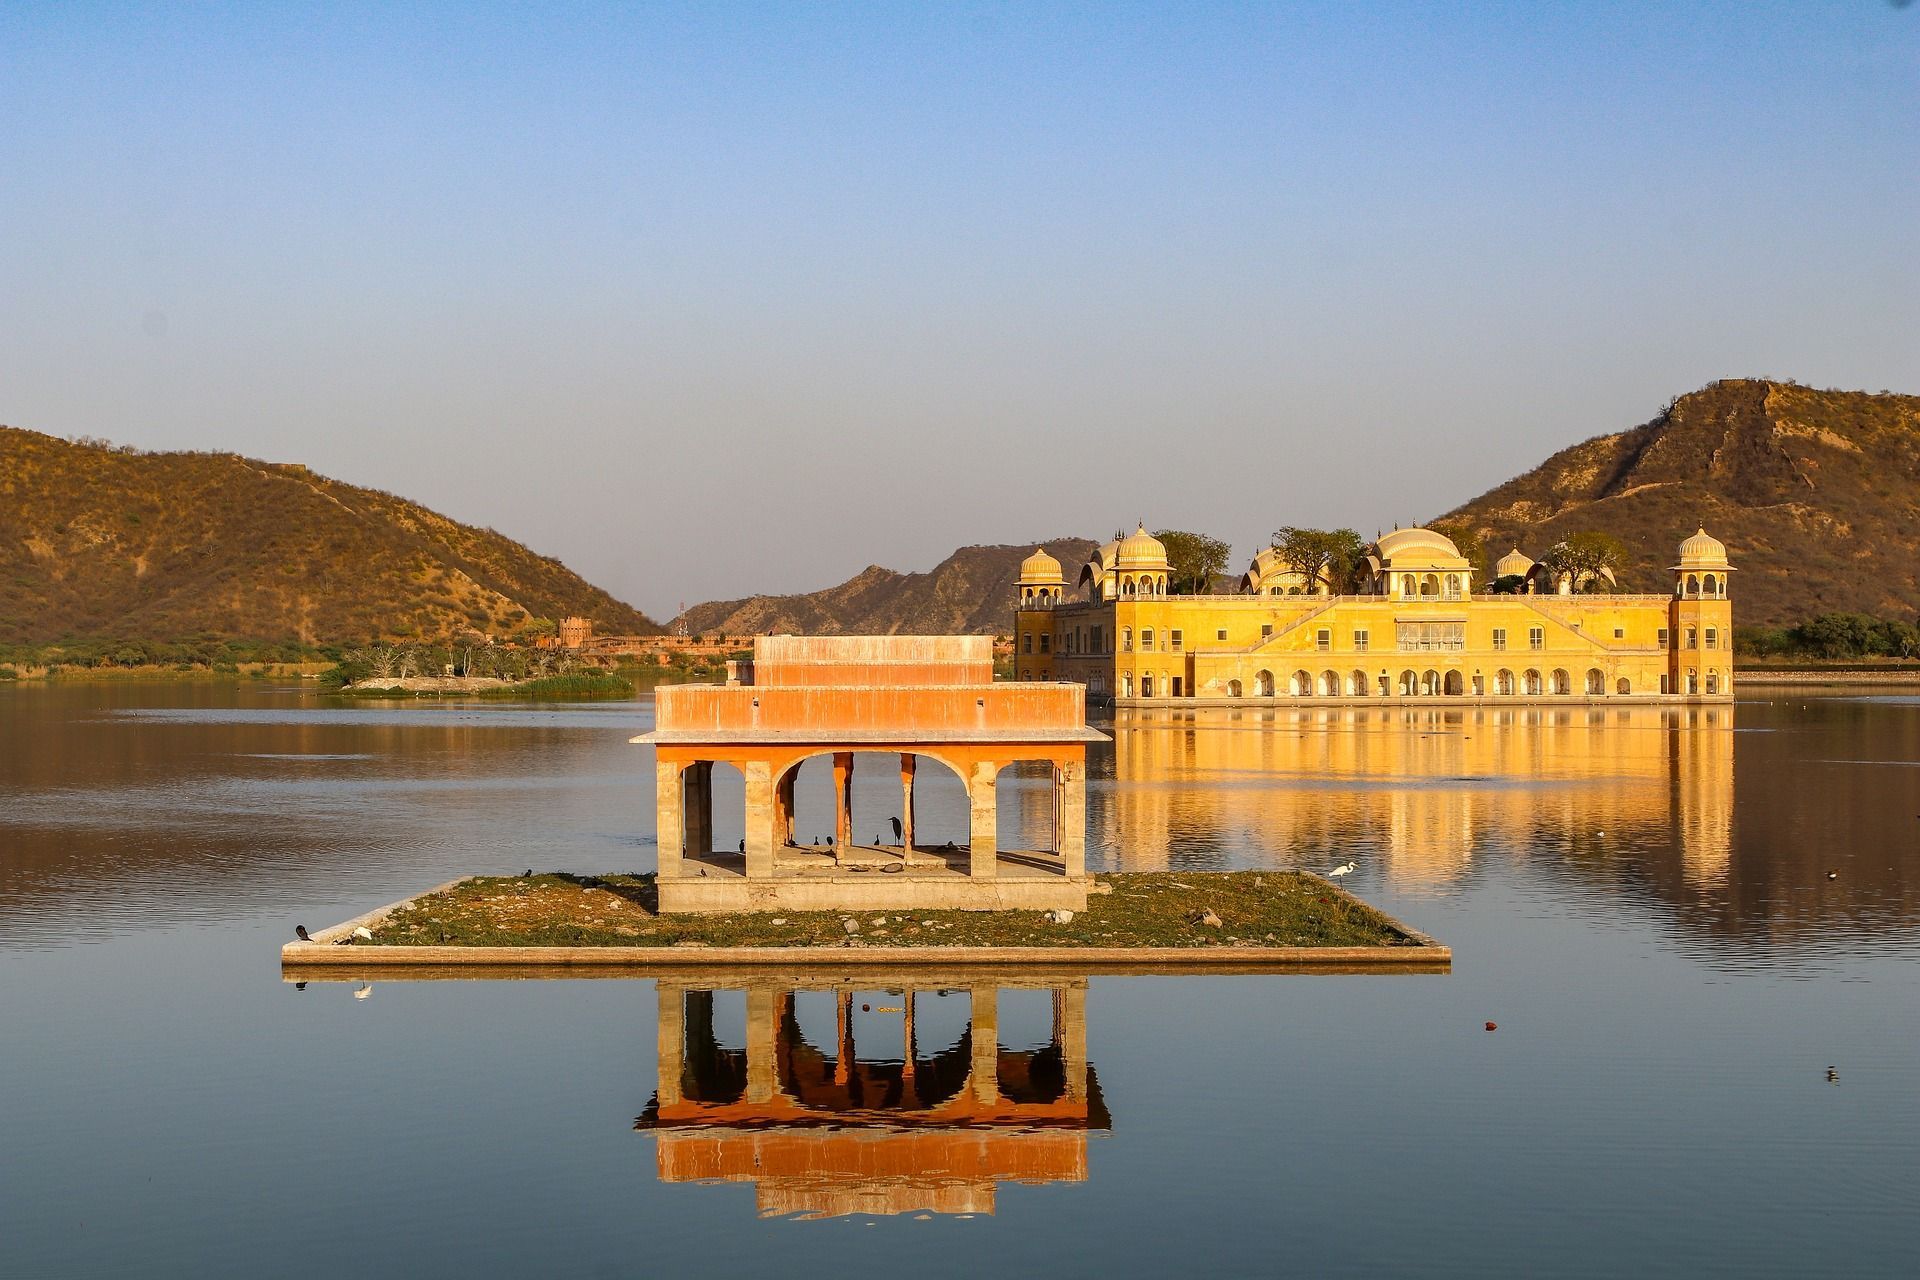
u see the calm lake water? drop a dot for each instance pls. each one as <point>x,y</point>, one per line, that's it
<point>1708,1055</point>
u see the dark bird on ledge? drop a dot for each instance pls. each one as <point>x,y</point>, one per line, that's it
<point>743,844</point>
<point>300,932</point>
<point>896,827</point>
<point>527,874</point>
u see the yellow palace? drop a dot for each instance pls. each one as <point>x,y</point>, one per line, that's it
<point>1417,630</point>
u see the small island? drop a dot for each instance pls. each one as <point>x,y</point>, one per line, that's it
<point>1143,919</point>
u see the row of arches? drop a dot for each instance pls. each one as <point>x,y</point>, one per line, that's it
<point>1434,683</point>
<point>878,801</point>
<point>1712,586</point>
<point>1039,597</point>
<point>1145,584</point>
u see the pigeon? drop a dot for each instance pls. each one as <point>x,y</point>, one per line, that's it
<point>300,932</point>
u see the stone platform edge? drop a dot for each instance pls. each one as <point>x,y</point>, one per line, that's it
<point>1426,955</point>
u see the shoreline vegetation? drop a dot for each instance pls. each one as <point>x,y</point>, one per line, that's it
<point>1283,910</point>
<point>1852,648</point>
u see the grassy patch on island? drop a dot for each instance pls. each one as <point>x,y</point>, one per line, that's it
<point>1160,909</point>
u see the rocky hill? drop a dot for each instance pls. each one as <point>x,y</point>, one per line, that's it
<point>970,591</point>
<point>1815,493</point>
<point>98,541</point>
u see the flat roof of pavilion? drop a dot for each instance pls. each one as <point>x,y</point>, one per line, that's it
<point>876,691</point>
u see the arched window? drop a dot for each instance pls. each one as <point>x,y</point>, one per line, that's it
<point>1263,683</point>
<point>1126,685</point>
<point>1596,682</point>
<point>1430,585</point>
<point>1709,586</point>
<point>1693,681</point>
<point>1409,684</point>
<point>1407,585</point>
<point>1357,684</point>
<point>1623,687</point>
<point>1531,683</point>
<point>1693,638</point>
<point>1329,684</point>
<point>1693,584</point>
<point>1503,683</point>
<point>1456,684</point>
<point>1562,682</point>
<point>1713,682</point>
<point>1233,688</point>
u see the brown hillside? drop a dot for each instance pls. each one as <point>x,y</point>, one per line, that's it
<point>103,542</point>
<point>1815,493</point>
<point>971,591</point>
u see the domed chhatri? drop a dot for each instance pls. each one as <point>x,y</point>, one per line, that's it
<point>1140,550</point>
<point>1514,564</point>
<point>1703,551</point>
<point>1042,581</point>
<point>1041,568</point>
<point>1406,616</point>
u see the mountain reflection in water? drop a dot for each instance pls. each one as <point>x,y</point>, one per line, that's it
<point>876,1120</point>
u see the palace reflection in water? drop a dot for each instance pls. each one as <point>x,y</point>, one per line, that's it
<point>1425,791</point>
<point>876,1096</point>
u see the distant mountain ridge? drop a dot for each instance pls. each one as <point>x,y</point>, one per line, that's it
<point>970,592</point>
<point>97,541</point>
<point>1815,493</point>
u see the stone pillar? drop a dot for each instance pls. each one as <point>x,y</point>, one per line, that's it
<point>1071,806</point>
<point>985,1076</point>
<point>698,816</point>
<point>842,798</point>
<point>783,808</point>
<point>673,1040</point>
<point>760,819</point>
<point>762,1030</point>
<point>668,822</point>
<point>983,838</point>
<point>1072,1037</point>
<point>908,763</point>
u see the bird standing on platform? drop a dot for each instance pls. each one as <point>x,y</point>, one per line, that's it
<point>896,827</point>
<point>300,932</point>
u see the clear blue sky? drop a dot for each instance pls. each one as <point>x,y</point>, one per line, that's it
<point>722,298</point>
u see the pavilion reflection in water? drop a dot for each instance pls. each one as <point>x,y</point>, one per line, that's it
<point>1426,790</point>
<point>881,1127</point>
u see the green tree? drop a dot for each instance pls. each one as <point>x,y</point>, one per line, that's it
<point>1592,561</point>
<point>1326,556</point>
<point>1195,560</point>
